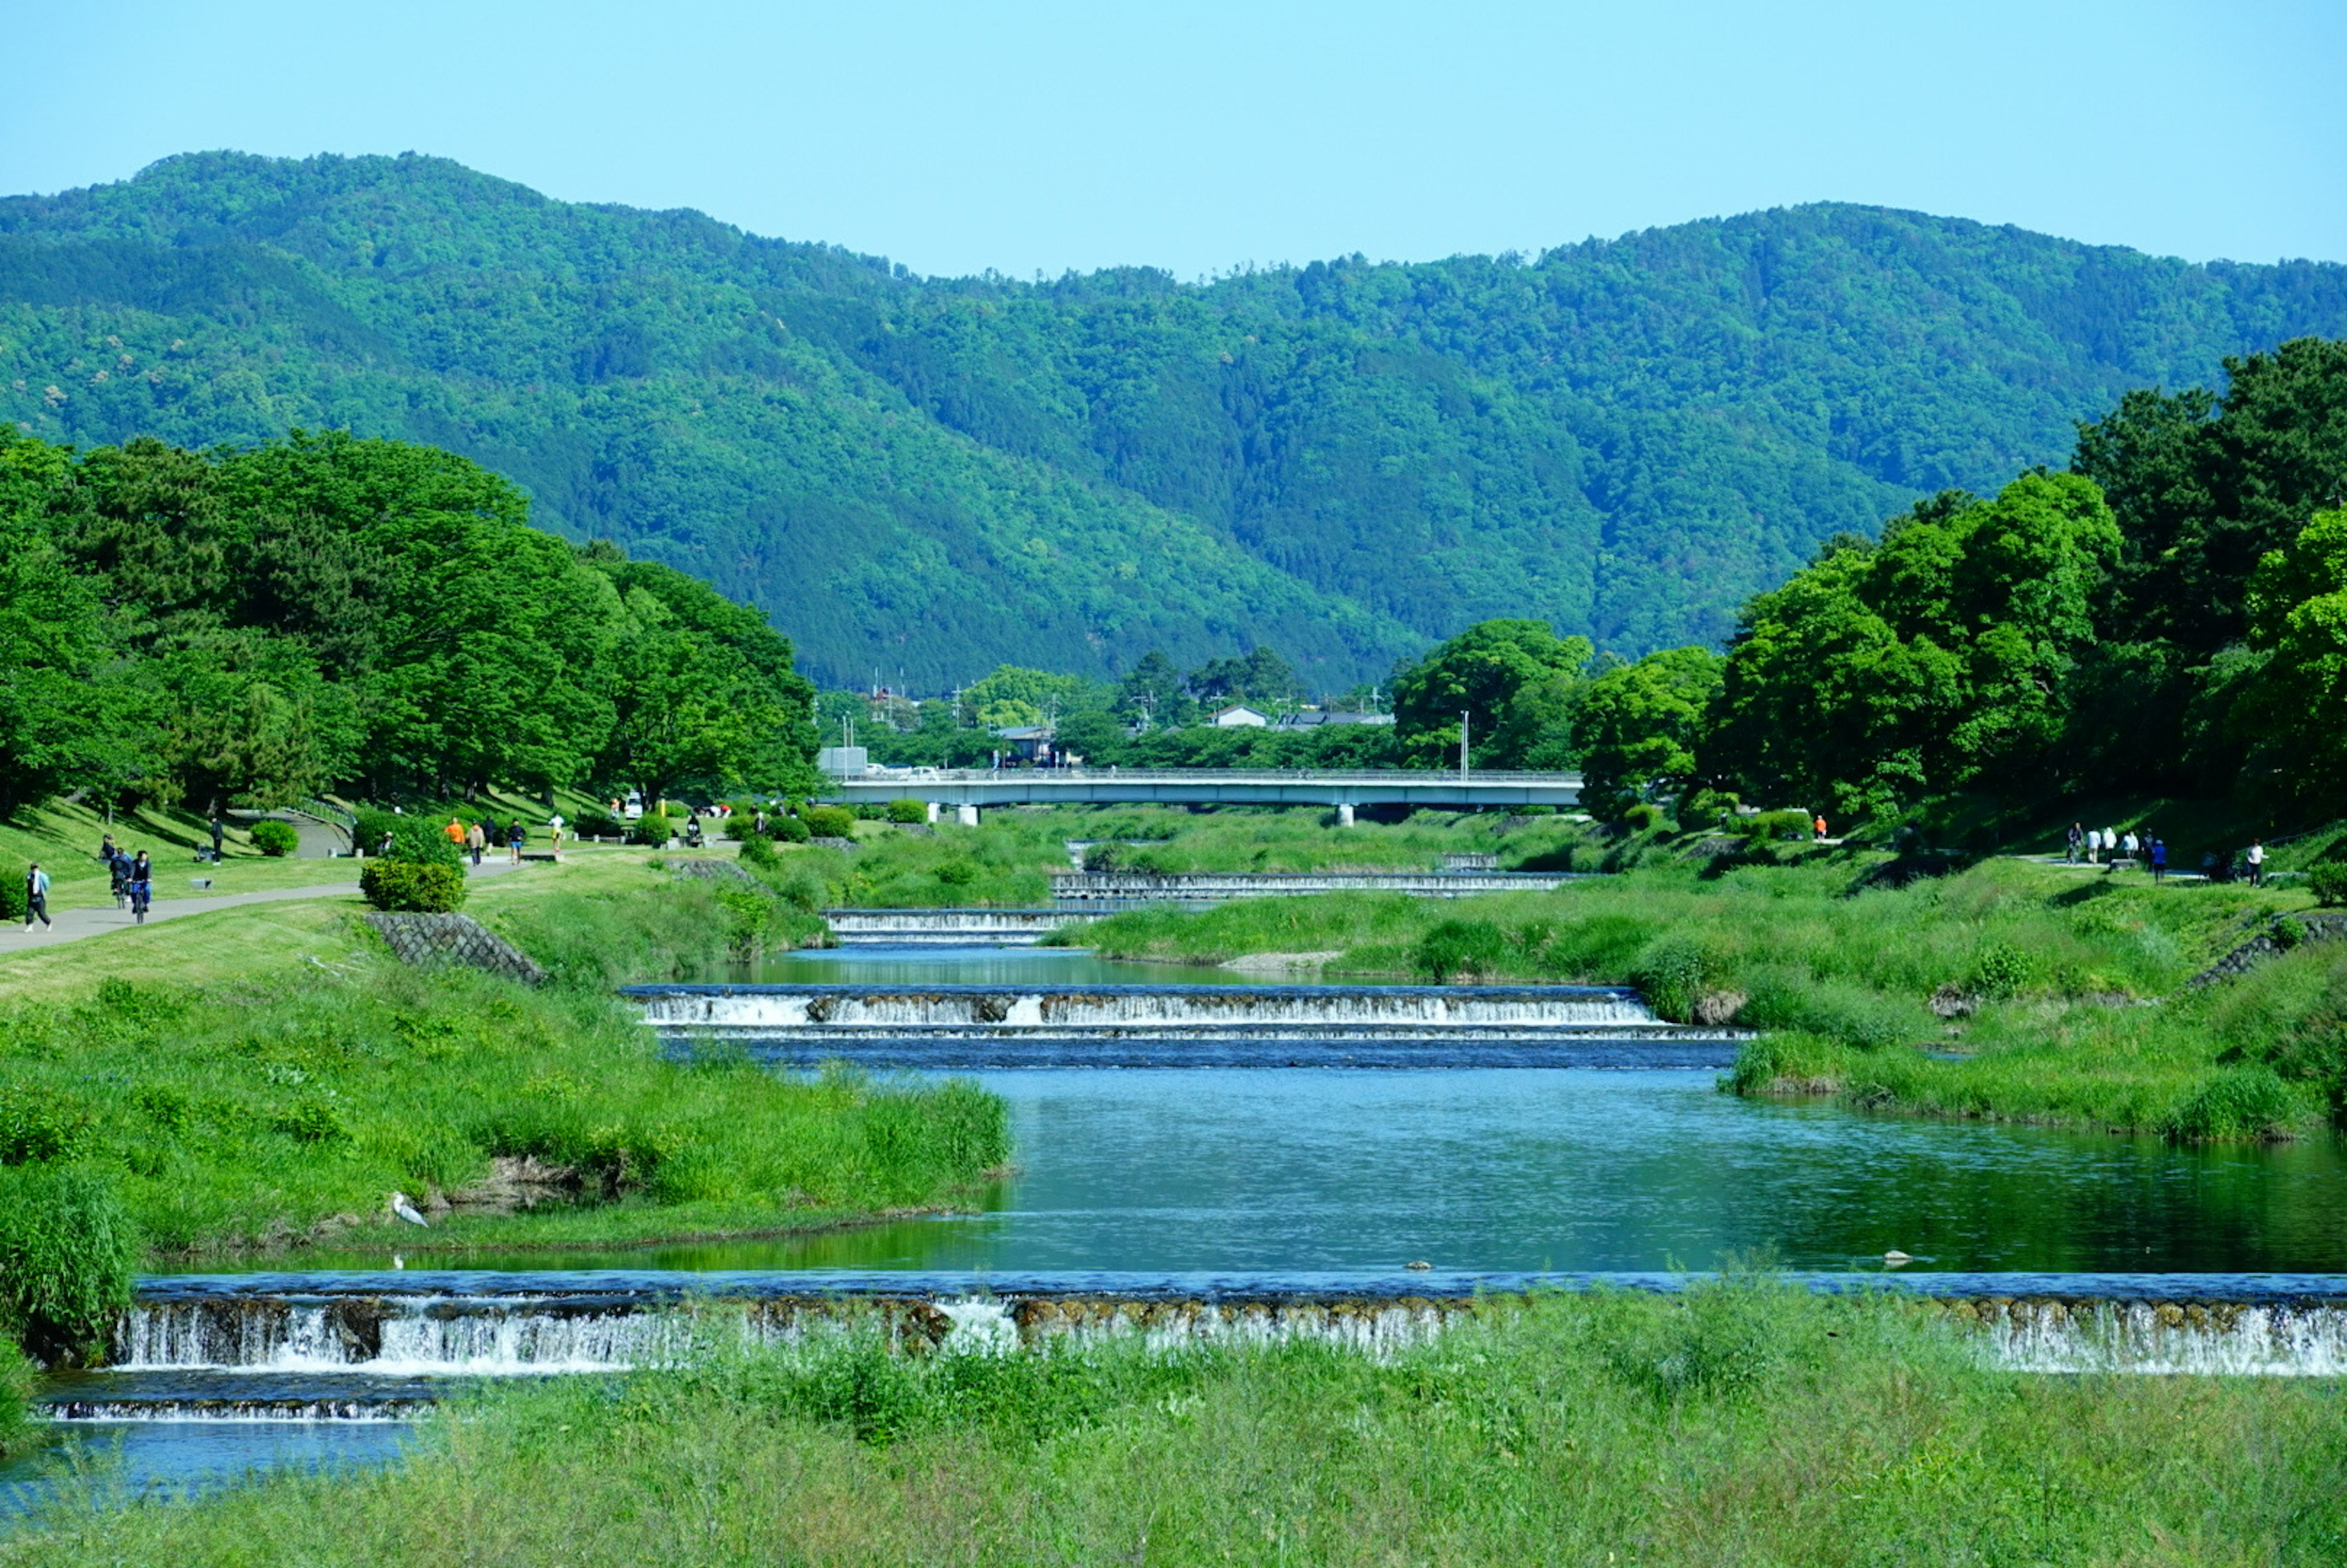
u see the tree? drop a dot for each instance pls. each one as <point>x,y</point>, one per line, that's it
<point>701,690</point>
<point>1877,675</point>
<point>67,718</point>
<point>1154,692</point>
<point>1481,672</point>
<point>2294,709</point>
<point>1260,676</point>
<point>1636,725</point>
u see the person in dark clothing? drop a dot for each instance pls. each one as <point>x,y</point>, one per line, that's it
<point>2158,860</point>
<point>118,871</point>
<point>36,894</point>
<point>516,835</point>
<point>219,829</point>
<point>142,887</point>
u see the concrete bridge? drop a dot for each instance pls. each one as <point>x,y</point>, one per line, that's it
<point>968,789</point>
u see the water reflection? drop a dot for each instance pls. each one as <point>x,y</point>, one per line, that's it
<point>1524,1168</point>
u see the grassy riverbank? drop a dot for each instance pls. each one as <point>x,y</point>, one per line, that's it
<point>271,1074</point>
<point>2014,990</point>
<point>1744,1424</point>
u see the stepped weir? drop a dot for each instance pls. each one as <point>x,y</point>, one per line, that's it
<point>1081,887</point>
<point>1184,1025</point>
<point>375,1347</point>
<point>953,927</point>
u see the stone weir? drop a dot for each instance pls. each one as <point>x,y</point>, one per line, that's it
<point>1081,887</point>
<point>1011,1025</point>
<point>953,927</point>
<point>352,1346</point>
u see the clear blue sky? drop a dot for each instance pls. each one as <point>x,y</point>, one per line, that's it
<point>1026,137</point>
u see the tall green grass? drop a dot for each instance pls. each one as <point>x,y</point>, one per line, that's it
<point>68,1251</point>
<point>1740,1424</point>
<point>2063,994</point>
<point>286,1109</point>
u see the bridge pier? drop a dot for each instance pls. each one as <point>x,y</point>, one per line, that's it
<point>966,816</point>
<point>936,811</point>
<point>1344,816</point>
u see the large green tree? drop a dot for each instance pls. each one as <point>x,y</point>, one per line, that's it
<point>1479,674</point>
<point>2293,710</point>
<point>1929,661</point>
<point>1636,726</point>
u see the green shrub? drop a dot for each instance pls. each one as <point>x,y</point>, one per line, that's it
<point>2001,969</point>
<point>789,829</point>
<point>67,1250</point>
<point>750,920</point>
<point>12,888</point>
<point>1460,949</point>
<point>957,872</point>
<point>274,838</point>
<point>908,811</point>
<point>1643,817</point>
<point>36,1124</point>
<point>2328,880</point>
<point>406,886</point>
<point>830,822</point>
<point>654,828</point>
<point>758,853</point>
<point>1780,826</point>
<point>413,839</point>
<point>1672,974</point>
<point>599,824</point>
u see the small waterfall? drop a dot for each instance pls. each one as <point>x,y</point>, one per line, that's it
<point>1081,887</point>
<point>962,1027</point>
<point>415,1335</point>
<point>2165,1337</point>
<point>843,1010</point>
<point>953,927</point>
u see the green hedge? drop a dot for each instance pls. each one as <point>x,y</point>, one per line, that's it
<point>908,811</point>
<point>12,888</point>
<point>275,839</point>
<point>654,828</point>
<point>2327,878</point>
<point>830,822</point>
<point>413,839</point>
<point>406,886</point>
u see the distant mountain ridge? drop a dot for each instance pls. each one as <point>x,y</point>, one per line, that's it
<point>925,477</point>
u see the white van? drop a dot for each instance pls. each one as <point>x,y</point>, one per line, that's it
<point>634,810</point>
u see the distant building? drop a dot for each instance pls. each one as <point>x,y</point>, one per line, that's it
<point>1030,743</point>
<point>1312,718</point>
<point>843,761</point>
<point>1238,716</point>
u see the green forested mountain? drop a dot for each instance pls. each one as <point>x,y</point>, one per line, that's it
<point>1345,461</point>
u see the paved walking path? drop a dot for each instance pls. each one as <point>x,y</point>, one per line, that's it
<point>73,924</point>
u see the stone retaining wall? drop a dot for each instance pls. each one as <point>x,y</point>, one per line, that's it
<point>432,940</point>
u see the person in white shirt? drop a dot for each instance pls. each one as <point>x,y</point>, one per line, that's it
<point>2256,866</point>
<point>36,894</point>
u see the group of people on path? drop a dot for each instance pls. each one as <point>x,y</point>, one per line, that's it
<point>2110,846</point>
<point>484,834</point>
<point>132,877</point>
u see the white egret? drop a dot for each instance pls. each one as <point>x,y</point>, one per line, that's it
<point>402,1209</point>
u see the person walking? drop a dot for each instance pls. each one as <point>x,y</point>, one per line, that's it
<point>2158,861</point>
<point>37,896</point>
<point>2127,844</point>
<point>219,831</point>
<point>2093,845</point>
<point>2077,843</point>
<point>455,833</point>
<point>475,840</point>
<point>554,834</point>
<point>515,836</point>
<point>1818,827</point>
<point>2257,863</point>
<point>118,874</point>
<point>142,887</point>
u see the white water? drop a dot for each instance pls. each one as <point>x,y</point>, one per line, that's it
<point>770,1008</point>
<point>2166,1338</point>
<point>519,1338</point>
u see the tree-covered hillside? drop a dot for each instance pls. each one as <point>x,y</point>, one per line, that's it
<point>1345,461</point>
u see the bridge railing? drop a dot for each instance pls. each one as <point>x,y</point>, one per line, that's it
<point>1367,777</point>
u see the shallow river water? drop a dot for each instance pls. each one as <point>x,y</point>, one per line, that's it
<point>1273,1170</point>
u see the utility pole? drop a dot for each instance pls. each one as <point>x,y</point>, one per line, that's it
<point>1463,717</point>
